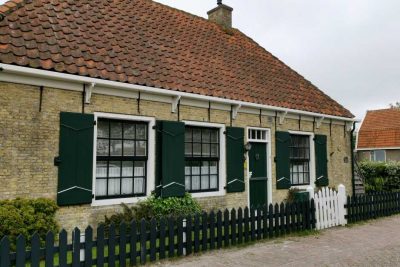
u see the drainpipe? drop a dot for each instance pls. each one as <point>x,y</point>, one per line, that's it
<point>352,158</point>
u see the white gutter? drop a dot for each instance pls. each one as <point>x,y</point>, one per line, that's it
<point>132,87</point>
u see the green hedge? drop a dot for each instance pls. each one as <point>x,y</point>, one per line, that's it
<point>156,207</point>
<point>26,217</point>
<point>381,176</point>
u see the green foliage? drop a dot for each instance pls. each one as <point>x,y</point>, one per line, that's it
<point>156,207</point>
<point>291,196</point>
<point>381,176</point>
<point>26,217</point>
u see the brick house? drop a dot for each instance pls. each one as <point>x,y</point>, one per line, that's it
<point>104,102</point>
<point>379,136</point>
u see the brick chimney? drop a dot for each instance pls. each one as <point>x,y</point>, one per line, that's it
<point>221,15</point>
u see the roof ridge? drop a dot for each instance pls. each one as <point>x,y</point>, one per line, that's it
<point>10,6</point>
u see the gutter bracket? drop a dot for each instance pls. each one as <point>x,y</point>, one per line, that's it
<point>319,121</point>
<point>88,93</point>
<point>235,111</point>
<point>282,117</point>
<point>175,102</point>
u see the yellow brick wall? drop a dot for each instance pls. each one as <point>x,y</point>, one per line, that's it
<point>29,144</point>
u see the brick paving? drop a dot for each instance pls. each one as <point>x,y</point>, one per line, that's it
<point>375,243</point>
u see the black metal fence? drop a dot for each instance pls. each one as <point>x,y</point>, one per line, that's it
<point>138,243</point>
<point>372,205</point>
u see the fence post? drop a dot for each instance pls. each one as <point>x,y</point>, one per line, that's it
<point>342,201</point>
<point>310,191</point>
<point>82,250</point>
<point>184,224</point>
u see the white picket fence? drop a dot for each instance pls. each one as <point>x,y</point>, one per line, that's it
<point>329,207</point>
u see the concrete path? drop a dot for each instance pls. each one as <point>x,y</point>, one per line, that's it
<point>375,243</point>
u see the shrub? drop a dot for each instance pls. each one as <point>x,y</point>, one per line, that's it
<point>156,207</point>
<point>26,217</point>
<point>381,176</point>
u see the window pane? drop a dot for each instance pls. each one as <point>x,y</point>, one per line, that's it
<point>127,186</point>
<point>213,181</point>
<point>213,167</point>
<point>188,134</point>
<point>129,131</point>
<point>113,186</point>
<point>187,183</point>
<point>102,147</point>
<point>204,182</point>
<point>187,169</point>
<point>127,169</point>
<point>102,129</point>
<point>116,148</point>
<point>196,150</point>
<point>101,187</point>
<point>205,150</point>
<point>379,155</point>
<point>195,182</point>
<point>101,169</point>
<point>188,149</point>
<point>140,148</point>
<point>204,167</point>
<point>214,136</point>
<point>206,136</point>
<point>195,168</point>
<point>214,150</point>
<point>129,148</point>
<point>115,169</point>
<point>197,135</point>
<point>116,129</point>
<point>141,131</point>
<point>139,186</point>
<point>140,169</point>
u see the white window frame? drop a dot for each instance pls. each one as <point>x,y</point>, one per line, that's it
<point>150,175</point>
<point>312,159</point>
<point>222,159</point>
<point>267,140</point>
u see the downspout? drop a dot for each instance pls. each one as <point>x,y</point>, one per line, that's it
<point>352,158</point>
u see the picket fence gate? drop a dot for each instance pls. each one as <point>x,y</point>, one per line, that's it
<point>329,207</point>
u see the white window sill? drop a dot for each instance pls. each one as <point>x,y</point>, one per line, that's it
<point>117,201</point>
<point>302,187</point>
<point>208,194</point>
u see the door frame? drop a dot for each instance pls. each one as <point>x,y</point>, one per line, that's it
<point>267,140</point>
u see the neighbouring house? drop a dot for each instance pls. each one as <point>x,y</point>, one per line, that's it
<point>104,102</point>
<point>379,136</point>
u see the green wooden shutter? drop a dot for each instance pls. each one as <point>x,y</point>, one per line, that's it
<point>75,161</point>
<point>235,159</point>
<point>170,164</point>
<point>321,160</point>
<point>282,160</point>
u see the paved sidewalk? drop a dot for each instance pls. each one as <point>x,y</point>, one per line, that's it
<point>375,243</point>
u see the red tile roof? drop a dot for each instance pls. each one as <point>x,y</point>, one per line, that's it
<point>147,43</point>
<point>380,129</point>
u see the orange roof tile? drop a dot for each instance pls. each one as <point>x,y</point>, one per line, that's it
<point>146,43</point>
<point>380,129</point>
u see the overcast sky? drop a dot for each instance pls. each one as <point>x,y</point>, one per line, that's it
<point>348,48</point>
